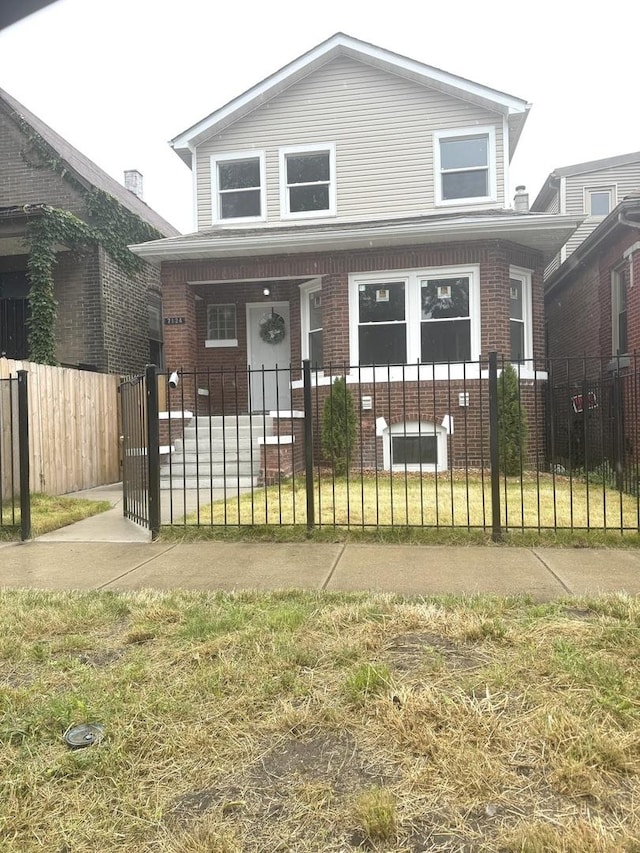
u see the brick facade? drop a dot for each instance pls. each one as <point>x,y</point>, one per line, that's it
<point>184,344</point>
<point>102,317</point>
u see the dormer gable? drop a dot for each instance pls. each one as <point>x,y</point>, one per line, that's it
<point>350,131</point>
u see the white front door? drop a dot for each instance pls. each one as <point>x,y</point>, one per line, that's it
<point>269,347</point>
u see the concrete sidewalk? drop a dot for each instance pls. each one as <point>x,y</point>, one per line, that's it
<point>109,552</point>
<point>543,573</point>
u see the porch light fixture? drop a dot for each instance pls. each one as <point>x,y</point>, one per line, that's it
<point>266,291</point>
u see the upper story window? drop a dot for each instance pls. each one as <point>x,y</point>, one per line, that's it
<point>307,181</point>
<point>599,201</point>
<point>238,186</point>
<point>465,166</point>
<point>619,287</point>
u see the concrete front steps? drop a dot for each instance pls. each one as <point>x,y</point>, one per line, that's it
<point>221,453</point>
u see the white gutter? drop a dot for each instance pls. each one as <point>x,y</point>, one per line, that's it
<point>270,241</point>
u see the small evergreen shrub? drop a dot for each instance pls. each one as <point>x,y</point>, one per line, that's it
<point>339,426</point>
<point>512,423</point>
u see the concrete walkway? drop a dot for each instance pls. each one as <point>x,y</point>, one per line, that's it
<point>109,552</point>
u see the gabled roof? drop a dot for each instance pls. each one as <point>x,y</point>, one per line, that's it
<point>515,109</point>
<point>85,170</point>
<point>550,185</point>
<point>624,215</point>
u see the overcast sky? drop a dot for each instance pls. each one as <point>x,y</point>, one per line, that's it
<point>119,78</point>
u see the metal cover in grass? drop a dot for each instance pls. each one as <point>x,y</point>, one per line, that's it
<point>84,734</point>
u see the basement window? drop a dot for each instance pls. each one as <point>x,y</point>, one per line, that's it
<point>415,446</point>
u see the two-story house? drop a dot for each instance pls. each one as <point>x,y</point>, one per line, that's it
<point>589,189</point>
<point>354,209</point>
<point>106,310</point>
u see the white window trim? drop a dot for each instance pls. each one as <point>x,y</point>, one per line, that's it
<point>411,428</point>
<point>412,280</point>
<point>285,213</point>
<point>588,191</point>
<point>524,276</point>
<point>215,194</point>
<point>615,307</point>
<point>492,183</point>
<point>306,289</point>
<point>222,342</point>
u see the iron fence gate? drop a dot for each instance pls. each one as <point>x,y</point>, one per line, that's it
<point>140,448</point>
<point>444,446</point>
<point>15,498</point>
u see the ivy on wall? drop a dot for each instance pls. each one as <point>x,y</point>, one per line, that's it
<point>109,225</point>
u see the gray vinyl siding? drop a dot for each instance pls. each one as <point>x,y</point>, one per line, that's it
<point>624,179</point>
<point>381,125</point>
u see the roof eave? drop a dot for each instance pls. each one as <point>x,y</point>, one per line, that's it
<point>337,45</point>
<point>545,234</point>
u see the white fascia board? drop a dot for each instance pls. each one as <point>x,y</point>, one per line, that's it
<point>269,243</point>
<point>341,44</point>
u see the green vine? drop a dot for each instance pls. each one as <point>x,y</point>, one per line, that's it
<point>110,225</point>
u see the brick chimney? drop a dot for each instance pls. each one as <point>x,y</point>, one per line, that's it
<point>133,182</point>
<point>521,200</point>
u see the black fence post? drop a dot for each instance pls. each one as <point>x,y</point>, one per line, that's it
<point>23,450</point>
<point>494,451</point>
<point>153,449</point>
<point>308,443</point>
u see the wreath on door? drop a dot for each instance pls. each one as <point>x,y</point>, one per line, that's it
<point>272,328</point>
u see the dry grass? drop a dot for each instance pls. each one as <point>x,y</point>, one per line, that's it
<point>446,500</point>
<point>50,512</point>
<point>307,722</point>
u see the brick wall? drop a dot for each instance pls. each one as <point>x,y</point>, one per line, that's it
<point>102,318</point>
<point>578,311</point>
<point>184,345</point>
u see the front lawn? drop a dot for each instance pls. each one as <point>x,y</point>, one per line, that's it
<point>49,512</point>
<point>319,722</point>
<point>457,506</point>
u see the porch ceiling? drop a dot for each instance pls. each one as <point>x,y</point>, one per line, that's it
<point>543,232</point>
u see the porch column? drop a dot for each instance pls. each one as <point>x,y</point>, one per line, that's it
<point>179,329</point>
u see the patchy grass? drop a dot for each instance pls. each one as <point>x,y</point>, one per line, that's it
<point>445,509</point>
<point>307,722</point>
<point>50,512</point>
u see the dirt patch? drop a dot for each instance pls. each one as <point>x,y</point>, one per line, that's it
<point>412,651</point>
<point>578,613</point>
<point>328,757</point>
<point>98,659</point>
<point>194,804</point>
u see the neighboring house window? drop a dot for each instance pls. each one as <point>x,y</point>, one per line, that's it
<point>238,186</point>
<point>221,326</point>
<point>307,181</point>
<point>620,285</point>
<point>156,355</point>
<point>415,446</point>
<point>465,166</point>
<point>428,316</point>
<point>599,201</point>
<point>382,326</point>
<point>520,325</point>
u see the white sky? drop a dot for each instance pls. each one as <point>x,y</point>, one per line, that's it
<point>118,78</point>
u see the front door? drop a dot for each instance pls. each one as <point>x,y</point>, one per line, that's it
<point>269,347</point>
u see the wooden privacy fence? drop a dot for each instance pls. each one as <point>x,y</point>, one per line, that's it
<point>73,427</point>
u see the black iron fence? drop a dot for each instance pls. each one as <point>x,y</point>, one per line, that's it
<point>15,499</point>
<point>483,446</point>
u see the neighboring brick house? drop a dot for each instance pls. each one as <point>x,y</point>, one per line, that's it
<point>592,302</point>
<point>107,319</point>
<point>590,189</point>
<point>592,308</point>
<point>356,204</point>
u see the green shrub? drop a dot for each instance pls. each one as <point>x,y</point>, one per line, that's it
<point>339,426</point>
<point>512,422</point>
